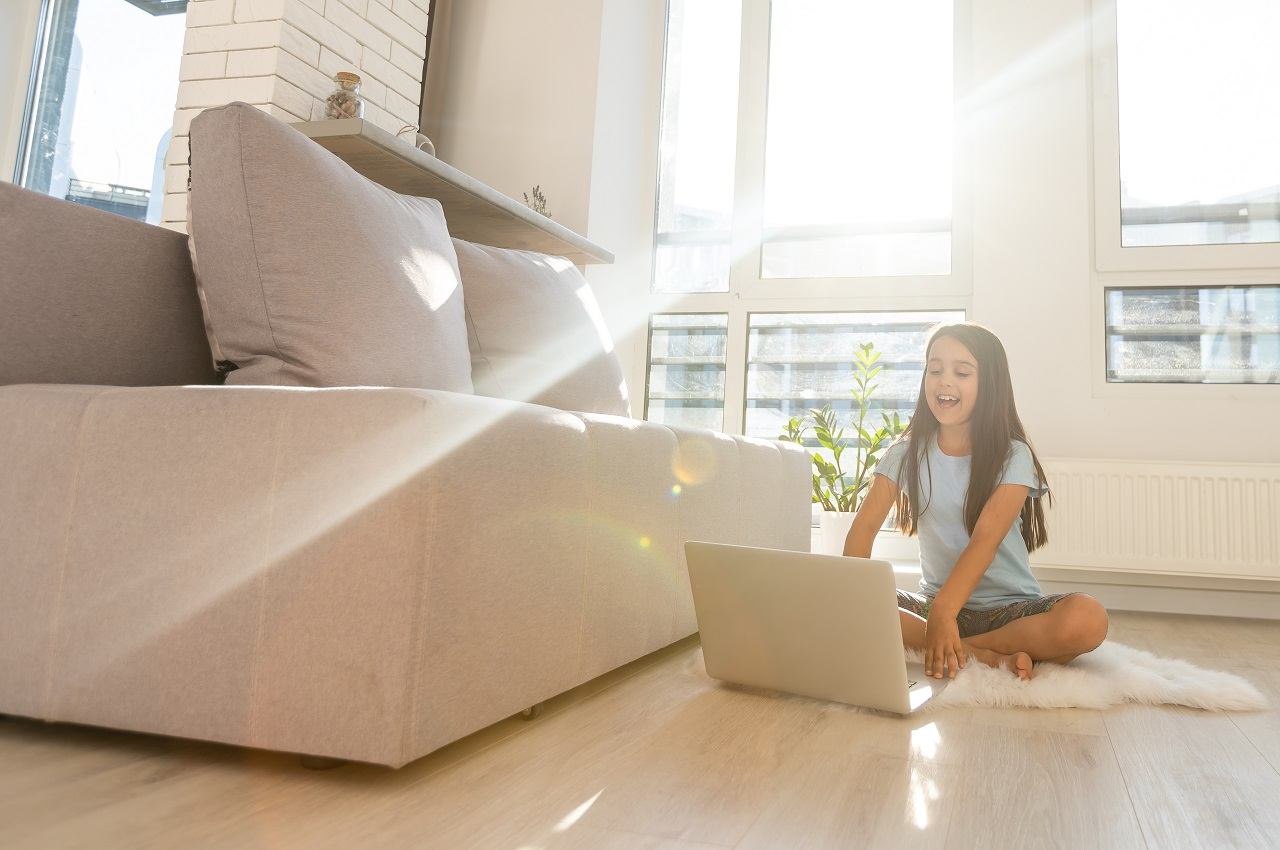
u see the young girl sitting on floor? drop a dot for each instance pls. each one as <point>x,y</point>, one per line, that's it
<point>964,477</point>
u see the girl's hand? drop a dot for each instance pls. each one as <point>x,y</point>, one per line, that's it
<point>944,654</point>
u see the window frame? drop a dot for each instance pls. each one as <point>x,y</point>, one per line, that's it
<point>1151,266</point>
<point>44,22</point>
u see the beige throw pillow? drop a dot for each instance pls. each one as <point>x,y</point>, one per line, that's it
<point>536,332</point>
<point>312,275</point>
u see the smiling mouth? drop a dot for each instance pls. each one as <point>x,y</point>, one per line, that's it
<point>947,401</point>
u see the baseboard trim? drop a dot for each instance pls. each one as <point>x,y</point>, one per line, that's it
<point>1150,592</point>
<point>1176,600</point>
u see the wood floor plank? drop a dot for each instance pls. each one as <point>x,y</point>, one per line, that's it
<point>589,838</point>
<point>706,774</point>
<point>69,753</point>
<point>1262,728</point>
<point>1189,748</point>
<point>1195,780</point>
<point>1035,788</point>
<point>864,781</point>
<point>1074,721</point>
<point>1216,642</point>
<point>189,791</point>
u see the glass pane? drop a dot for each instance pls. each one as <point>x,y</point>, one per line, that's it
<point>798,361</point>
<point>858,153</point>
<point>697,146</point>
<point>99,125</point>
<point>1226,334</point>
<point>1199,121</point>
<point>686,369</point>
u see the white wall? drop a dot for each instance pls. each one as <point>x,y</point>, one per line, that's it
<point>512,98</point>
<point>18,19</point>
<point>1029,143</point>
<point>624,162</point>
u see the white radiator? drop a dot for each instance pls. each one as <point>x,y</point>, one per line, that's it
<point>1188,518</point>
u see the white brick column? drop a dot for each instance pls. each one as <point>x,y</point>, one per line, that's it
<point>281,55</point>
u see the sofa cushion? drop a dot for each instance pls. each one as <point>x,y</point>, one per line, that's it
<point>88,297</point>
<point>312,275</point>
<point>536,332</point>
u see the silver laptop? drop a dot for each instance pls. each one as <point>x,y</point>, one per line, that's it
<point>822,626</point>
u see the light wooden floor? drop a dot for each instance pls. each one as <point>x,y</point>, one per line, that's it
<point>659,756</point>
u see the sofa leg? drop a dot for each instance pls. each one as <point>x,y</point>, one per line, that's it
<point>532,711</point>
<point>320,762</point>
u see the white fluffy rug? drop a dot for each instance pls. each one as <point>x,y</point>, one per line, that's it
<point>1110,675</point>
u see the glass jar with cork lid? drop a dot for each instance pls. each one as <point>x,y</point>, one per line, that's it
<point>345,102</point>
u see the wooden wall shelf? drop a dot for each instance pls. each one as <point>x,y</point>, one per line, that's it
<point>475,212</point>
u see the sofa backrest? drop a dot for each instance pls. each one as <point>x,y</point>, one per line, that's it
<point>536,332</point>
<point>88,297</point>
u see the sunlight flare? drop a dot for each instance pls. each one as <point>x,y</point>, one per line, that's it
<point>573,816</point>
<point>926,741</point>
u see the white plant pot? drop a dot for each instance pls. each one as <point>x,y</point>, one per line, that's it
<point>834,528</point>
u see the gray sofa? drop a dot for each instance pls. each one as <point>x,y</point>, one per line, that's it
<point>353,572</point>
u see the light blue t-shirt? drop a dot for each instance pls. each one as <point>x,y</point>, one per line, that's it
<point>941,525</point>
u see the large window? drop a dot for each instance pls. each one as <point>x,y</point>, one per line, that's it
<point>105,84</point>
<point>806,205</point>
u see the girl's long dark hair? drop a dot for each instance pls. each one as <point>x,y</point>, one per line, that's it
<point>994,425</point>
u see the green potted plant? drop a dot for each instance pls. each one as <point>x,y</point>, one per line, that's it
<point>839,490</point>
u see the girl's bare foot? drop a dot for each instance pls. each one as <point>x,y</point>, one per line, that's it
<point>1018,663</point>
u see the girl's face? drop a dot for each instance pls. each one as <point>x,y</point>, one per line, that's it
<point>951,381</point>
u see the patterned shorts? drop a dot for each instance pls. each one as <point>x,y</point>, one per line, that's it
<point>974,622</point>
